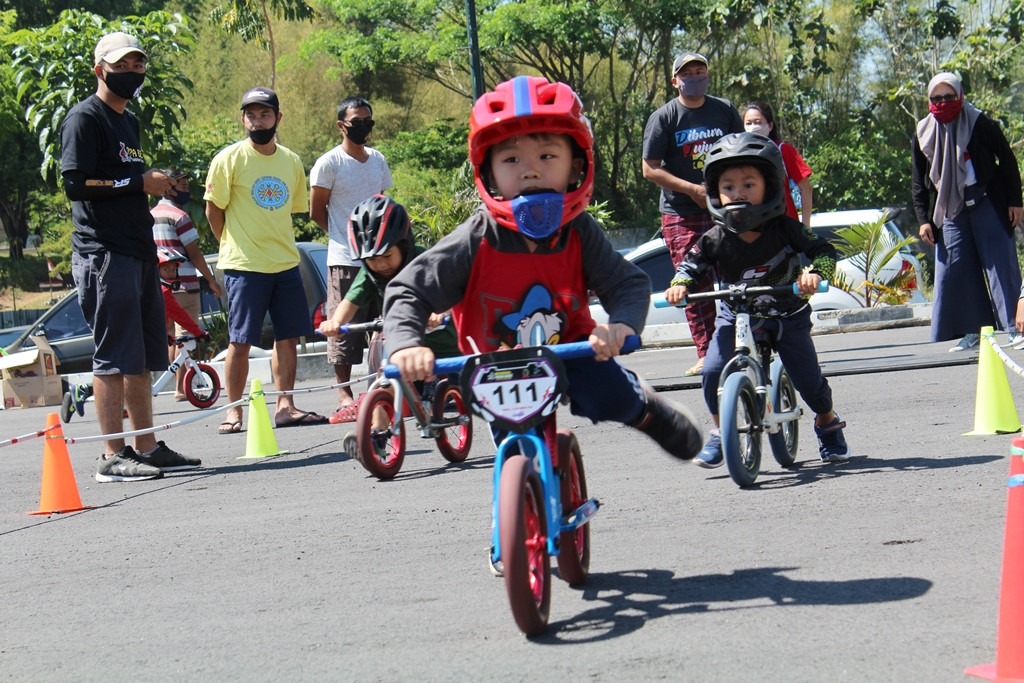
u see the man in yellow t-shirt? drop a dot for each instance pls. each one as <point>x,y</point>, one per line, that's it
<point>252,188</point>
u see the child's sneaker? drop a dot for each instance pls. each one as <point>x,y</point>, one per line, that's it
<point>67,407</point>
<point>711,455</point>
<point>832,444</point>
<point>351,446</point>
<point>673,427</point>
<point>74,401</point>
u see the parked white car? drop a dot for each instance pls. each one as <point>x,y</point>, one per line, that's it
<point>653,258</point>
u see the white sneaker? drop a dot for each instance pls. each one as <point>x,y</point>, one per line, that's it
<point>1015,340</point>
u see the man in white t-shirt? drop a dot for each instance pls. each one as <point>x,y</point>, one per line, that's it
<point>340,179</point>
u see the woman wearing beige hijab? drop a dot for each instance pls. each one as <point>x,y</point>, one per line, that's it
<point>967,196</point>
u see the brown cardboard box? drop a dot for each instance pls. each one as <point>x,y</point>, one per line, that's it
<point>30,378</point>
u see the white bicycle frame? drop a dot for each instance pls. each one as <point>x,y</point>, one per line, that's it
<point>184,360</point>
<point>771,420</point>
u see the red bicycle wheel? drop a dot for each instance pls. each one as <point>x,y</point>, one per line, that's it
<point>573,546</point>
<point>453,441</point>
<point>381,450</point>
<point>524,552</point>
<point>202,389</point>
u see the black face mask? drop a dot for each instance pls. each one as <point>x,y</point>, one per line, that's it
<point>126,84</point>
<point>262,137</point>
<point>358,132</point>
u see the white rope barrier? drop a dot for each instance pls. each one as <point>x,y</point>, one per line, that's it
<point>201,416</point>
<point>26,437</point>
<point>1007,361</point>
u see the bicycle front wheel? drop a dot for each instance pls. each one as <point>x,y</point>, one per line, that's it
<point>381,451</point>
<point>524,551</point>
<point>741,429</point>
<point>783,396</point>
<point>202,388</point>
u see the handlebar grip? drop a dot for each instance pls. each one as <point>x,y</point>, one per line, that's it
<point>658,301</point>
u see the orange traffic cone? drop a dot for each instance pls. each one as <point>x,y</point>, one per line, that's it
<point>59,491</point>
<point>1009,665</point>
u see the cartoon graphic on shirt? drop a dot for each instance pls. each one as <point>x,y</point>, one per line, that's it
<point>536,322</point>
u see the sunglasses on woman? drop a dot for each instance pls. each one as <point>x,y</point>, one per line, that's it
<point>939,99</point>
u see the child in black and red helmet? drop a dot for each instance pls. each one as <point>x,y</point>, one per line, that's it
<point>754,242</point>
<point>381,237</point>
<point>517,273</point>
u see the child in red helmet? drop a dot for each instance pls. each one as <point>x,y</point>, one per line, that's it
<point>519,270</point>
<point>76,395</point>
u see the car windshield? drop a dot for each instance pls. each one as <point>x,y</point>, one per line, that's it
<point>64,322</point>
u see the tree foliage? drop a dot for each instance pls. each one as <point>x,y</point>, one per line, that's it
<point>54,71</point>
<point>251,19</point>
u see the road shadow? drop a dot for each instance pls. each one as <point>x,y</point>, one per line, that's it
<point>625,601</point>
<point>811,471</point>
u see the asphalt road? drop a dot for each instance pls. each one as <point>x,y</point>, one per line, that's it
<point>302,567</point>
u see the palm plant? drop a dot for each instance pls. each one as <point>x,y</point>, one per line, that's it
<point>869,247</point>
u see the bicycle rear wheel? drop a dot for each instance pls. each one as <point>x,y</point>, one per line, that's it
<point>784,442</point>
<point>453,441</point>
<point>524,553</point>
<point>741,429</point>
<point>573,546</point>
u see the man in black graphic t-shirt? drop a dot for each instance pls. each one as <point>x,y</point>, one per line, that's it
<point>114,259</point>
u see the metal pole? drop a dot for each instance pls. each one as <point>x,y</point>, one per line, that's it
<point>475,69</point>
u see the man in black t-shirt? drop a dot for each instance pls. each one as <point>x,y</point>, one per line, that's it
<point>114,260</point>
<point>676,141</point>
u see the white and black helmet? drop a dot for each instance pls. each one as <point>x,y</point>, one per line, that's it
<point>742,149</point>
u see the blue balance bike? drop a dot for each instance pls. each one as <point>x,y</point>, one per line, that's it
<point>540,508</point>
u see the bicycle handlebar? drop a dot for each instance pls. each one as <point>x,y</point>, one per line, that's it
<point>373,326</point>
<point>582,349</point>
<point>734,292</point>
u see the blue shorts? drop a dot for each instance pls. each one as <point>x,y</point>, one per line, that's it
<point>122,303</point>
<point>252,295</point>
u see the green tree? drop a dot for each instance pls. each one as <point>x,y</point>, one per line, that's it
<point>44,12</point>
<point>55,71</point>
<point>19,157</point>
<point>251,20</point>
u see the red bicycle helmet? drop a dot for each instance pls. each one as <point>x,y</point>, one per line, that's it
<point>377,224</point>
<point>521,106</point>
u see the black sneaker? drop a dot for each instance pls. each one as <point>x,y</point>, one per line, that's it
<point>125,465</point>
<point>167,460</point>
<point>673,427</point>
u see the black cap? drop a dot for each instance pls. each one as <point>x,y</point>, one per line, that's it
<point>260,95</point>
